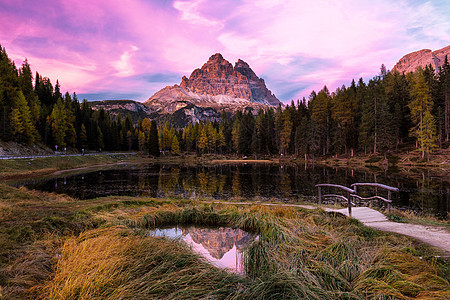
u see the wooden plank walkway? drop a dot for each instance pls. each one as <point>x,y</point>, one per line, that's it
<point>434,236</point>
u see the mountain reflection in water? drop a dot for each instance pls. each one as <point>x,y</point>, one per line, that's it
<point>224,247</point>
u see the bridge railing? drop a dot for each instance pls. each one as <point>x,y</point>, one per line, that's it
<point>349,192</point>
<point>353,193</point>
<point>387,200</point>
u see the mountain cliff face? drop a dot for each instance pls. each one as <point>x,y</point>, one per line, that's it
<point>411,61</point>
<point>219,85</point>
<point>124,107</point>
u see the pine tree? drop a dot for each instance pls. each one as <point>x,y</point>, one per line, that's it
<point>321,114</point>
<point>256,143</point>
<point>83,137</point>
<point>237,136</point>
<point>22,124</point>
<point>285,134</point>
<point>100,140</point>
<point>387,136</point>
<point>428,136</point>
<point>297,140</point>
<point>221,143</point>
<point>129,139</point>
<point>26,86</point>
<point>59,123</point>
<point>153,143</point>
<point>141,140</point>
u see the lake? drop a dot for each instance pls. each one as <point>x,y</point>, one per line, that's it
<point>419,190</point>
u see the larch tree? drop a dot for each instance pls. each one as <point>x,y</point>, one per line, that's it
<point>141,141</point>
<point>421,106</point>
<point>175,145</point>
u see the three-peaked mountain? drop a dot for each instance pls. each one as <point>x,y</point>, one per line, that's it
<point>218,85</point>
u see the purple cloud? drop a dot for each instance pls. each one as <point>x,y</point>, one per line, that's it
<point>136,47</point>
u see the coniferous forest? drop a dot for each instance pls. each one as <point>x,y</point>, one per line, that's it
<point>386,114</point>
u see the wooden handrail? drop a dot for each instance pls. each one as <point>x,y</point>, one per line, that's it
<point>383,186</point>
<point>348,190</point>
<point>336,186</point>
<point>352,193</point>
<point>370,198</point>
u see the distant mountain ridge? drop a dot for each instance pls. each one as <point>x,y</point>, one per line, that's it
<point>422,58</point>
<point>124,107</point>
<point>181,113</point>
<point>219,85</point>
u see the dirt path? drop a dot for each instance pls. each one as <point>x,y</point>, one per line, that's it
<point>434,236</point>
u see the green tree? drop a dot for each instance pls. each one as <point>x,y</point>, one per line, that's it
<point>321,114</point>
<point>203,140</point>
<point>141,140</point>
<point>100,140</point>
<point>153,143</point>
<point>129,139</point>
<point>285,134</point>
<point>59,123</point>
<point>26,86</point>
<point>238,136</point>
<point>21,121</point>
<point>421,106</point>
<point>221,143</point>
<point>166,137</point>
<point>175,145</point>
<point>83,137</point>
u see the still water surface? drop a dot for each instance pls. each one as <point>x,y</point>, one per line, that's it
<point>419,190</point>
<point>224,247</point>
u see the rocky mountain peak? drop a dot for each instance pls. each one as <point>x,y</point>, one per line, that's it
<point>422,58</point>
<point>218,77</point>
<point>217,84</point>
<point>243,68</point>
<point>216,57</point>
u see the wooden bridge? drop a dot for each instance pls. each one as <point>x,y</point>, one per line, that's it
<point>434,236</point>
<point>351,194</point>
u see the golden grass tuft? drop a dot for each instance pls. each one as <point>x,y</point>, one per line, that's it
<point>100,249</point>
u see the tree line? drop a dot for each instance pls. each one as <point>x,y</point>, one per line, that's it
<point>32,110</point>
<point>390,111</point>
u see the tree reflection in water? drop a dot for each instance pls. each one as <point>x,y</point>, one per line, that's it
<point>420,190</point>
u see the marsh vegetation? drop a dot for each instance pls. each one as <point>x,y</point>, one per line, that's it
<point>57,247</point>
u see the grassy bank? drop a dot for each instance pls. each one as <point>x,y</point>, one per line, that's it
<point>17,168</point>
<point>55,247</point>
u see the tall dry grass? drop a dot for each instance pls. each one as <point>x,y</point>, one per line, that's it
<point>299,255</point>
<point>102,250</point>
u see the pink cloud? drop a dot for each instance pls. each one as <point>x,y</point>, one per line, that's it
<point>127,46</point>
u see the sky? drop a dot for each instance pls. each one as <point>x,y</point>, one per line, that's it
<point>130,49</point>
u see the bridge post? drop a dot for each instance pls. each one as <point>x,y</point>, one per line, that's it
<point>320,197</point>
<point>389,203</point>
<point>349,203</point>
